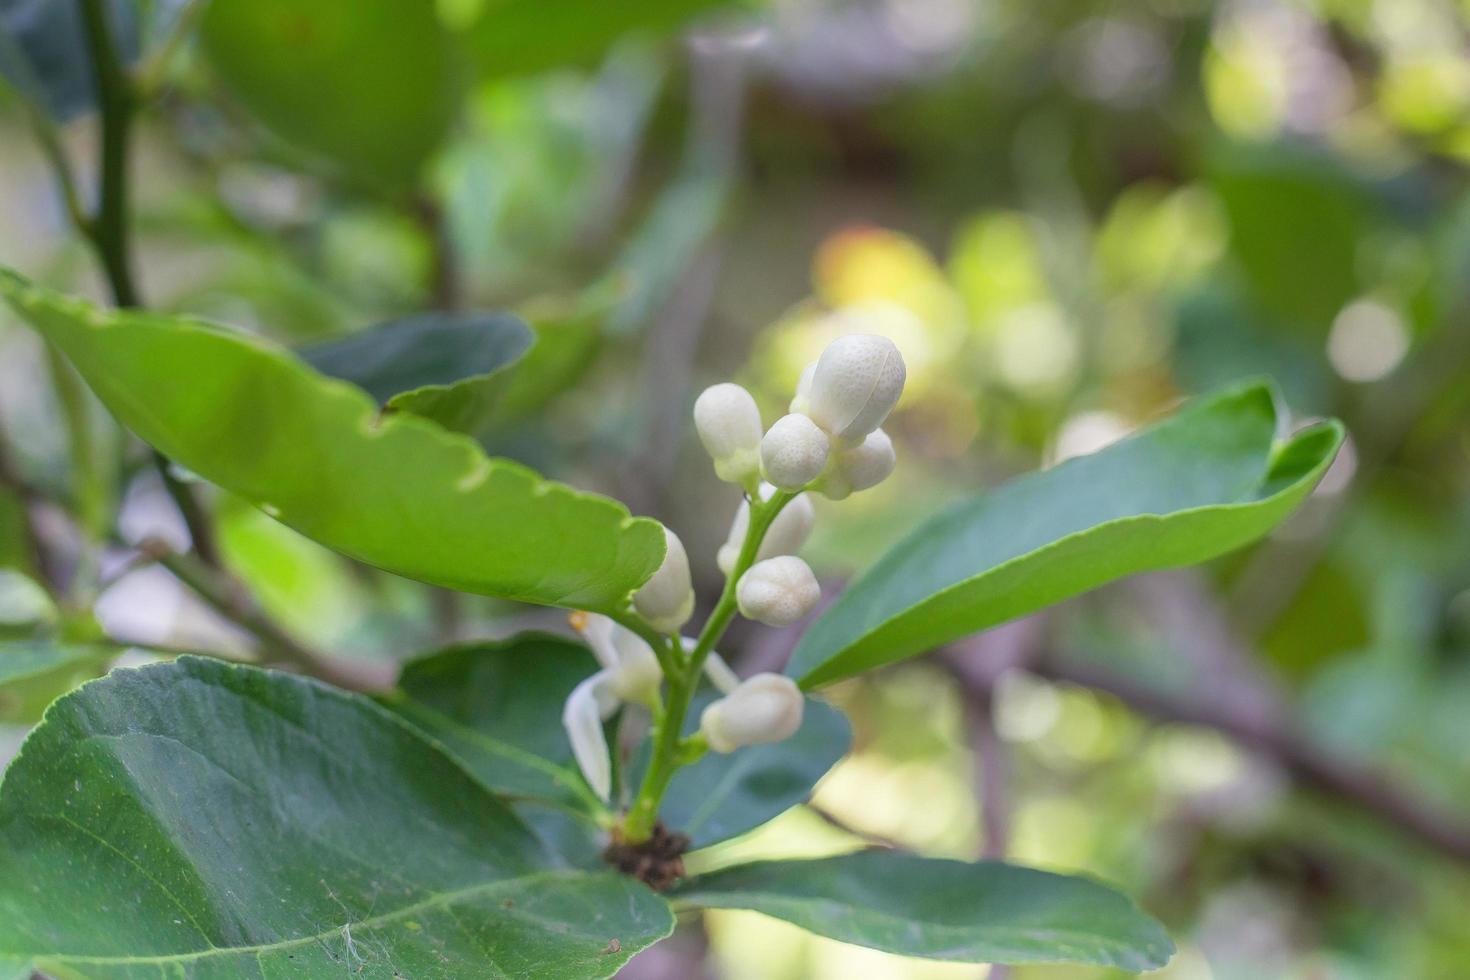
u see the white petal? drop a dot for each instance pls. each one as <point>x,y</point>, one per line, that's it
<point>582,718</point>
<point>719,673</point>
<point>599,631</point>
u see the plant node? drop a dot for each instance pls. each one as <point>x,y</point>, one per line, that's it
<point>657,862</point>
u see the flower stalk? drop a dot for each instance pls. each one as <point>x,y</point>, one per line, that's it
<point>670,751</point>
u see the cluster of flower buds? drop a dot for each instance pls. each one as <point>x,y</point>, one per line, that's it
<point>830,443</point>
<point>630,674</point>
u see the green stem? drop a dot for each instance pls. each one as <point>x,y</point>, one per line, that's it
<point>116,102</point>
<point>669,750</point>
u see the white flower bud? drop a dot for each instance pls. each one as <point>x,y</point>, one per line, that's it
<point>765,708</point>
<point>667,599</point>
<point>802,400</point>
<point>787,533</point>
<point>863,466</point>
<point>793,452</point>
<point>729,425</point>
<point>856,384</point>
<point>778,591</point>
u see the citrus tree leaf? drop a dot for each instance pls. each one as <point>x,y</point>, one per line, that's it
<point>523,36</point>
<point>724,796</point>
<point>448,367</point>
<point>213,820</point>
<point>35,673</point>
<point>394,491</point>
<point>368,84</point>
<point>497,707</point>
<point>567,339</point>
<point>987,912</point>
<point>1208,480</point>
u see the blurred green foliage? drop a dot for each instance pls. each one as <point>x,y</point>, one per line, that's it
<point>1068,216</point>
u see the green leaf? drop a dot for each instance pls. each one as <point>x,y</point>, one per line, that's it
<point>945,910</point>
<point>1298,220</point>
<point>214,820</point>
<point>396,491</point>
<point>724,796</point>
<point>33,674</point>
<point>368,84</point>
<point>496,706</point>
<point>448,367</point>
<point>1195,486</point>
<point>523,36</point>
<point>567,341</point>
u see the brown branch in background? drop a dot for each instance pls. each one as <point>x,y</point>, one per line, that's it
<point>992,776</point>
<point>201,534</point>
<point>1364,786</point>
<point>228,597</point>
<point>1234,703</point>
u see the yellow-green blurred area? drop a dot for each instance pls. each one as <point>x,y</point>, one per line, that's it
<point>1068,216</point>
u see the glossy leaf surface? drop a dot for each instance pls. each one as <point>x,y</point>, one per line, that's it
<point>497,707</point>
<point>987,912</point>
<point>394,491</point>
<point>442,366</point>
<point>1206,481</point>
<point>211,820</point>
<point>367,84</point>
<point>35,673</point>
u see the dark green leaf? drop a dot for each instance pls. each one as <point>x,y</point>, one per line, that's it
<point>211,820</point>
<point>497,707</point>
<point>1188,489</point>
<point>395,491</point>
<point>1297,221</point>
<point>448,367</point>
<point>723,796</point>
<point>33,674</point>
<point>368,84</point>
<point>946,910</point>
<point>567,341</point>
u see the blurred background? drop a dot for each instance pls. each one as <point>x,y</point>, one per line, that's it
<point>1069,216</point>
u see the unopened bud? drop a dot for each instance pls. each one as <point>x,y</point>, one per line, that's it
<point>666,600</point>
<point>778,591</point>
<point>856,384</point>
<point>765,708</point>
<point>729,425</point>
<point>863,466</point>
<point>787,533</point>
<point>793,452</point>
